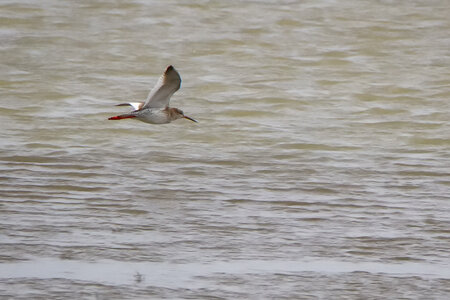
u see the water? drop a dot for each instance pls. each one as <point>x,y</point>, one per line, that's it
<point>319,167</point>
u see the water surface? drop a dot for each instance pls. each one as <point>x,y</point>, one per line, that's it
<point>319,167</point>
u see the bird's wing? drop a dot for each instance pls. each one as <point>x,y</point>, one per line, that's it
<point>166,86</point>
<point>135,105</point>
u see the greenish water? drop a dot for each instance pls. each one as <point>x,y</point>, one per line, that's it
<point>319,167</point>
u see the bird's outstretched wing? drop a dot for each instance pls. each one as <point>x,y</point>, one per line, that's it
<point>166,86</point>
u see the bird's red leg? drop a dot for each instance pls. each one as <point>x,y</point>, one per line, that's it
<point>121,117</point>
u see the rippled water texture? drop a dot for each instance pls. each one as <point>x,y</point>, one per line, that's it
<point>319,167</point>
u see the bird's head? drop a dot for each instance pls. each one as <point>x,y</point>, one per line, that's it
<point>178,114</point>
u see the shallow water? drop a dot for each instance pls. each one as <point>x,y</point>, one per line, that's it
<point>319,167</point>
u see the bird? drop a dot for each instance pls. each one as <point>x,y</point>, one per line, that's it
<point>156,110</point>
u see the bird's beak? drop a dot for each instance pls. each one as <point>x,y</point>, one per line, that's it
<point>186,117</point>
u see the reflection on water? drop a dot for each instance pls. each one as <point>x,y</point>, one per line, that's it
<point>318,168</point>
<point>186,274</point>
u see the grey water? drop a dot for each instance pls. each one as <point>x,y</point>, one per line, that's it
<point>319,168</point>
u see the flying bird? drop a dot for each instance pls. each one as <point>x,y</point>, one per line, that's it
<point>155,109</point>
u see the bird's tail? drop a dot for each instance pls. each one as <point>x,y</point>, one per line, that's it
<point>120,117</point>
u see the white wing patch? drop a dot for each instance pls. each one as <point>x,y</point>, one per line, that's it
<point>135,105</point>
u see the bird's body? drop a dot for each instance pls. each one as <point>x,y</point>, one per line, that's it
<point>156,108</point>
<point>157,116</point>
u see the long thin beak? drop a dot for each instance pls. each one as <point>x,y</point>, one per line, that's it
<point>186,117</point>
